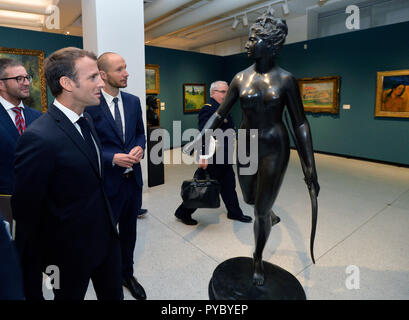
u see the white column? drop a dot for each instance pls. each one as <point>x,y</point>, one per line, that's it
<point>118,26</point>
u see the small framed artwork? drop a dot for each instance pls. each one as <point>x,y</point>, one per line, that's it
<point>194,97</point>
<point>33,62</point>
<point>152,79</point>
<point>320,94</point>
<point>392,94</point>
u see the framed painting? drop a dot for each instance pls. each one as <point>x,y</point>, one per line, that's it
<point>33,61</point>
<point>320,94</point>
<point>392,94</point>
<point>152,79</point>
<point>194,97</point>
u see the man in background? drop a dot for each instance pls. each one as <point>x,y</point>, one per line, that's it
<point>222,172</point>
<point>118,122</point>
<point>15,117</point>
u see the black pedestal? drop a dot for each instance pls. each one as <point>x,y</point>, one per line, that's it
<point>233,280</point>
<point>156,171</point>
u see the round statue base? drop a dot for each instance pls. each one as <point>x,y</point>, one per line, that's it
<point>233,280</point>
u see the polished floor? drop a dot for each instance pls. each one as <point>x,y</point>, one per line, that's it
<point>361,246</point>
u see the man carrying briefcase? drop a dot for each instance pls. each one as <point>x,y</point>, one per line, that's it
<point>221,172</point>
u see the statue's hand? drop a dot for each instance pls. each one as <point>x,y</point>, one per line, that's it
<point>189,148</point>
<point>312,181</point>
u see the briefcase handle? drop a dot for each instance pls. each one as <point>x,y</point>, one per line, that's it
<point>199,172</point>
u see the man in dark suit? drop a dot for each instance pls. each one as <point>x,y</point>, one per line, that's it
<point>223,172</point>
<point>63,215</point>
<point>11,280</point>
<point>14,118</point>
<point>118,122</point>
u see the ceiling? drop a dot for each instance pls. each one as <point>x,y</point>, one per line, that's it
<point>178,24</point>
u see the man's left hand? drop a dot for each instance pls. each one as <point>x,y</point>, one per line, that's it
<point>137,152</point>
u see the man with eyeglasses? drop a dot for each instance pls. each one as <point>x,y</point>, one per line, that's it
<point>14,118</point>
<point>223,172</point>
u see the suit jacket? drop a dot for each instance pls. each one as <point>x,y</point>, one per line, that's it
<point>59,195</point>
<point>204,114</point>
<point>8,140</point>
<point>111,138</point>
<point>11,287</point>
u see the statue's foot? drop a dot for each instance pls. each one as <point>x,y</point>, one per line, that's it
<point>258,275</point>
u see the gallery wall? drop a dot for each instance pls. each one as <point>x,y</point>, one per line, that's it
<point>33,40</point>
<point>176,68</point>
<point>356,57</point>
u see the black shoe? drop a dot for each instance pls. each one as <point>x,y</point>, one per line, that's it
<point>141,212</point>
<point>275,220</point>
<point>186,220</point>
<point>135,288</point>
<point>241,218</point>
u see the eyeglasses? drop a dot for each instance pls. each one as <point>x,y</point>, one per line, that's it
<point>221,91</point>
<point>20,79</point>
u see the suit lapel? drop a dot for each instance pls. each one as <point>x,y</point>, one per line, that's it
<point>28,115</point>
<point>96,138</point>
<point>127,117</point>
<point>66,125</point>
<point>108,115</point>
<point>8,124</point>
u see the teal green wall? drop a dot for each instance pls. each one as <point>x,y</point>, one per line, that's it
<point>34,40</point>
<point>356,57</point>
<point>176,68</point>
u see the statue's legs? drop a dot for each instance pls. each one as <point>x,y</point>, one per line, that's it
<point>270,175</point>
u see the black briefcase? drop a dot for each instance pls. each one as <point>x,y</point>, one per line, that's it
<point>201,193</point>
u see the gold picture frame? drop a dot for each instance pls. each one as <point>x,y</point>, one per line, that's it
<point>194,97</point>
<point>392,94</point>
<point>152,79</point>
<point>320,94</point>
<point>33,61</point>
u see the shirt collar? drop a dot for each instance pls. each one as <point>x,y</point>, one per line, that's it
<point>8,105</point>
<point>71,115</point>
<point>214,103</point>
<point>109,98</point>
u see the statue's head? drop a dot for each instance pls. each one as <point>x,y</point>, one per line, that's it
<point>269,32</point>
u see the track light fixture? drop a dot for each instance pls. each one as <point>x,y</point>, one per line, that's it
<point>245,20</point>
<point>286,10</point>
<point>235,23</point>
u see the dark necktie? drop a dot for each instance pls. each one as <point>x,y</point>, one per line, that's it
<point>20,123</point>
<point>118,120</point>
<point>86,133</point>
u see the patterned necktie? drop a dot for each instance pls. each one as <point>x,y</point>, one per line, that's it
<point>117,119</point>
<point>86,133</point>
<point>20,123</point>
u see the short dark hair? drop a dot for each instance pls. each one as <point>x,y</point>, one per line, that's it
<point>272,30</point>
<point>8,62</point>
<point>62,63</point>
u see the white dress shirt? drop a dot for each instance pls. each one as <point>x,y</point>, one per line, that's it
<point>111,105</point>
<point>8,106</point>
<point>73,117</point>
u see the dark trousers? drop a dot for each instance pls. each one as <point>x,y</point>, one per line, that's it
<point>125,207</point>
<point>106,278</point>
<point>225,175</point>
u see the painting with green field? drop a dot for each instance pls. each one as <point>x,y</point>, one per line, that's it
<point>152,79</point>
<point>194,97</point>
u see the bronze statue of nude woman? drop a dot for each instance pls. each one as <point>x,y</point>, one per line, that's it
<point>264,89</point>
